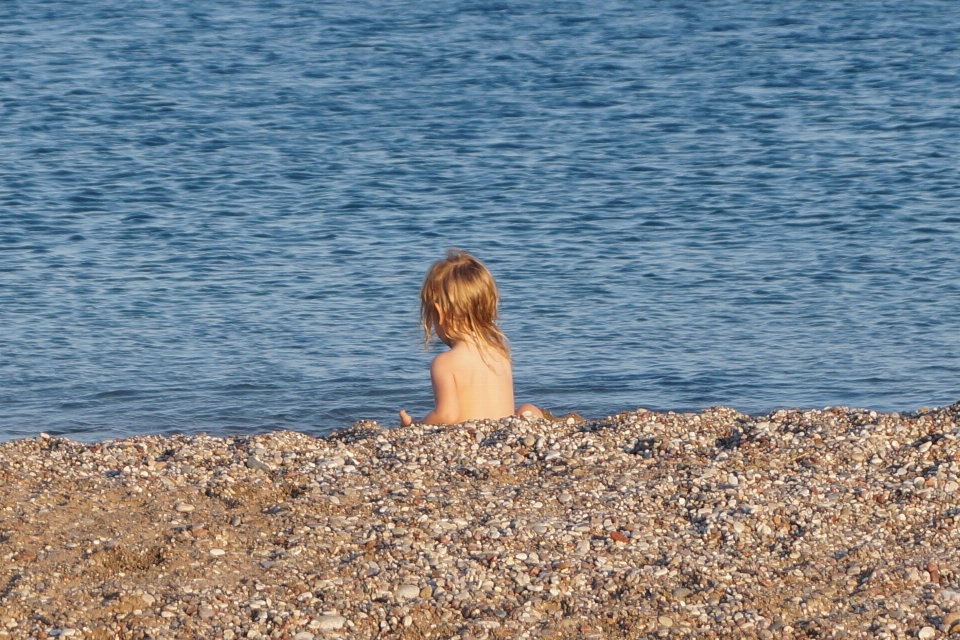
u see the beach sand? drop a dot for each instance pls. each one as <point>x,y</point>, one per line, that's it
<point>841,523</point>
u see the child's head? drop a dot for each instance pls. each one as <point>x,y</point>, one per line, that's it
<point>460,295</point>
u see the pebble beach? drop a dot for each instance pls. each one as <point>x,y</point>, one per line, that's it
<point>833,523</point>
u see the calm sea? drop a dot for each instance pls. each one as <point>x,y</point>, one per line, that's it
<point>215,216</point>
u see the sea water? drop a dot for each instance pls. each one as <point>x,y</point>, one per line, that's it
<point>215,216</point>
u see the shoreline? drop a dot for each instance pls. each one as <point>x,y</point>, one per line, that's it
<point>800,523</point>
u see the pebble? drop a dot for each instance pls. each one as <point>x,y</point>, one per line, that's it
<point>407,592</point>
<point>217,552</point>
<point>330,623</point>
<point>926,633</point>
<point>255,463</point>
<point>303,635</point>
<point>665,621</point>
<point>183,507</point>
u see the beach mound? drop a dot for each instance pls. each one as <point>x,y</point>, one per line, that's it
<point>841,523</point>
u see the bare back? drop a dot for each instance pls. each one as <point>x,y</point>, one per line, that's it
<point>483,382</point>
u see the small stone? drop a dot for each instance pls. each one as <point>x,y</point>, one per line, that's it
<point>681,592</point>
<point>217,552</point>
<point>950,487</point>
<point>426,592</point>
<point>330,623</point>
<point>183,507</point>
<point>733,480</point>
<point>950,595</point>
<point>619,536</point>
<point>926,633</point>
<point>665,621</point>
<point>207,612</point>
<point>330,463</point>
<point>303,635</point>
<point>407,592</point>
<point>253,462</point>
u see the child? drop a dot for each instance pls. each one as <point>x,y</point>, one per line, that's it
<point>473,380</point>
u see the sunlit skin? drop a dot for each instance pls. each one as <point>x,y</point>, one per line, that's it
<point>470,382</point>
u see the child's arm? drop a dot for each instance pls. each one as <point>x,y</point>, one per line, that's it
<point>447,410</point>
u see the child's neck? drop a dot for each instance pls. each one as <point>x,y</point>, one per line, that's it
<point>464,343</point>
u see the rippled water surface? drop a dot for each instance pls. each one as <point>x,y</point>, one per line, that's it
<point>216,216</point>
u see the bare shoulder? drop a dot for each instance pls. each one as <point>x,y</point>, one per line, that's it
<point>443,363</point>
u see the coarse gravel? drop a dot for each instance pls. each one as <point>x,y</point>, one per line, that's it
<point>834,523</point>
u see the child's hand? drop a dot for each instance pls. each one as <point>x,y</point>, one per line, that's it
<point>405,419</point>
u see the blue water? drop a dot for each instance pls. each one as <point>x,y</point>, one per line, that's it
<point>216,216</point>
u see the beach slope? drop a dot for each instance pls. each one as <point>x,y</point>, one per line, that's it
<point>841,523</point>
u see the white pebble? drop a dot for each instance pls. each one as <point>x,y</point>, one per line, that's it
<point>407,592</point>
<point>330,623</point>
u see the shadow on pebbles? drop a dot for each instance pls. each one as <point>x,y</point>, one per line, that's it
<point>841,523</point>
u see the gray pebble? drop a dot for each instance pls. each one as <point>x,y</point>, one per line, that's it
<point>255,463</point>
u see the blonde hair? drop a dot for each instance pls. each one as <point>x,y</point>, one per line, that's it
<point>463,289</point>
